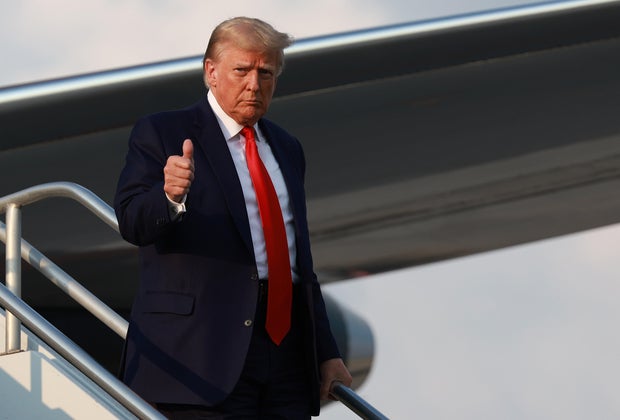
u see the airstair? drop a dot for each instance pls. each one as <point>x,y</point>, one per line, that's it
<point>43,374</point>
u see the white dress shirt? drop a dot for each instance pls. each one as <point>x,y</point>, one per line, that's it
<point>236,144</point>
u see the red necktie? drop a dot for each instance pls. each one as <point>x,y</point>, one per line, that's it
<point>280,287</point>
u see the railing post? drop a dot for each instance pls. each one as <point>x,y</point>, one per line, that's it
<point>13,274</point>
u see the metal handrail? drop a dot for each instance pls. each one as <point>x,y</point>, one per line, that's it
<point>16,246</point>
<point>62,189</point>
<point>18,311</point>
<point>70,286</point>
<point>355,403</point>
<point>76,356</point>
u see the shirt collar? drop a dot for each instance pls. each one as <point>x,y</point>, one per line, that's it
<point>230,128</point>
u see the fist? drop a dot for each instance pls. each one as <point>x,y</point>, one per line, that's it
<point>179,173</point>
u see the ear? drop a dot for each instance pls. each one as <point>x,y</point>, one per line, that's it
<point>210,73</point>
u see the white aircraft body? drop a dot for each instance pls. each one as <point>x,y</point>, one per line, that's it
<point>471,133</point>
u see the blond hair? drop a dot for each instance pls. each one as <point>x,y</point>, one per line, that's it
<point>248,34</point>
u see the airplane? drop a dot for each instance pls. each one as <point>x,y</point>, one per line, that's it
<point>425,141</point>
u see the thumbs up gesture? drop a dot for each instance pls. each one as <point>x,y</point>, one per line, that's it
<point>179,173</point>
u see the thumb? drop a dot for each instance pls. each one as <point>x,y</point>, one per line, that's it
<point>188,149</point>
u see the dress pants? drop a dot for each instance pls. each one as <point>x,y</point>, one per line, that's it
<point>273,383</point>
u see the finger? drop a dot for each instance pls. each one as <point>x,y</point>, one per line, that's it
<point>324,392</point>
<point>178,181</point>
<point>176,188</point>
<point>188,149</point>
<point>180,167</point>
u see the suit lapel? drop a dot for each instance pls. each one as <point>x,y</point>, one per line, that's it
<point>212,144</point>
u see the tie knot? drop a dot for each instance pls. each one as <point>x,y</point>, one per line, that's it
<point>248,133</point>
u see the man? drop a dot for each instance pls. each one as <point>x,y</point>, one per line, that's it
<point>222,325</point>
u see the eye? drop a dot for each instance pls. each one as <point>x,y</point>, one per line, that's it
<point>265,73</point>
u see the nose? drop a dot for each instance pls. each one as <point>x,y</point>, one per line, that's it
<point>252,81</point>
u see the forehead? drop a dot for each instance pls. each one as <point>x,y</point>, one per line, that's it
<point>232,54</point>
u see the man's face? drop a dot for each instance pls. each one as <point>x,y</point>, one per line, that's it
<point>243,82</point>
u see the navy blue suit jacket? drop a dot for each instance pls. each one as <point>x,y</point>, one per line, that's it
<point>188,335</point>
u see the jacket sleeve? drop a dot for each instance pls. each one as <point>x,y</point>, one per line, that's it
<point>140,203</point>
<point>326,346</point>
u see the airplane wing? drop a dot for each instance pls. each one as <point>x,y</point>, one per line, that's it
<point>425,141</point>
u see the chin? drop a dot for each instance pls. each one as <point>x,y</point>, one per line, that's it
<point>251,119</point>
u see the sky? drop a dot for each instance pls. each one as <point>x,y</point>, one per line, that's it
<point>528,332</point>
<point>41,39</point>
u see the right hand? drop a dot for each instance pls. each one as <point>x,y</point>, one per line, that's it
<point>179,173</point>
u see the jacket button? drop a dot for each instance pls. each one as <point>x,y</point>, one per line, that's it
<point>248,322</point>
<point>254,276</point>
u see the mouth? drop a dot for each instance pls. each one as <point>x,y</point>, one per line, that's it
<point>252,102</point>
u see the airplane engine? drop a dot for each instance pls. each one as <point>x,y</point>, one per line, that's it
<point>354,337</point>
